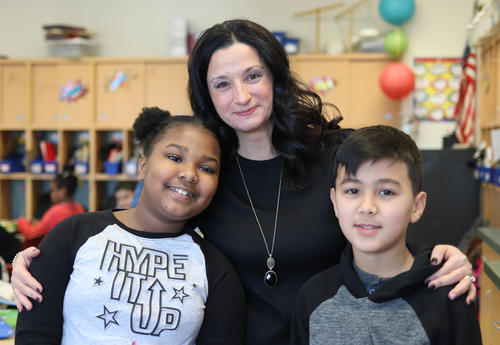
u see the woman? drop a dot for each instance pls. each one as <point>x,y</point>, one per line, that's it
<point>62,190</point>
<point>271,215</point>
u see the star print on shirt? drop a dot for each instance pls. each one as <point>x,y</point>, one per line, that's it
<point>108,317</point>
<point>98,281</point>
<point>180,294</point>
<point>195,286</point>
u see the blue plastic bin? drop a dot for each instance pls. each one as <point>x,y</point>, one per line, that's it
<point>50,167</point>
<point>8,166</point>
<point>112,168</point>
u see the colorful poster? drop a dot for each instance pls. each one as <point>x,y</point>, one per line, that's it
<point>437,83</point>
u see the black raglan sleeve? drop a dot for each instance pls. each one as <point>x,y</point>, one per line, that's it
<point>464,324</point>
<point>52,268</point>
<point>225,309</point>
<point>300,318</point>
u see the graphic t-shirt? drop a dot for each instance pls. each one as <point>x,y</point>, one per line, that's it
<point>132,287</point>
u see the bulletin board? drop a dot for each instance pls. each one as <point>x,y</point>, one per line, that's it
<point>437,83</point>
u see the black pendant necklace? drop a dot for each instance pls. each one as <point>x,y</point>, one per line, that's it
<point>270,278</point>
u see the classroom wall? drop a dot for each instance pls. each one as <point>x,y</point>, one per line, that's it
<point>141,28</point>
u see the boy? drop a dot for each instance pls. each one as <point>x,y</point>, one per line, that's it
<point>377,295</point>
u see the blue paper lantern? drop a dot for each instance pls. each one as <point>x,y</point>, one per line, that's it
<point>396,12</point>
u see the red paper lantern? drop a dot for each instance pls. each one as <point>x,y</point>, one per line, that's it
<point>397,80</point>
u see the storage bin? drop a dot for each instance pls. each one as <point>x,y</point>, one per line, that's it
<point>291,45</point>
<point>477,173</point>
<point>36,166</point>
<point>131,168</point>
<point>497,176</point>
<point>280,35</point>
<point>489,175</point>
<point>11,165</point>
<point>112,168</point>
<point>73,47</point>
<point>81,168</point>
<point>50,167</point>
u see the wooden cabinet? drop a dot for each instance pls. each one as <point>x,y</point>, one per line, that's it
<point>318,71</point>
<point>53,85</point>
<point>14,94</point>
<point>489,308</point>
<point>488,111</point>
<point>490,317</point>
<point>490,302</point>
<point>120,93</point>
<point>489,84</point>
<point>166,85</point>
<point>99,98</point>
<point>350,82</point>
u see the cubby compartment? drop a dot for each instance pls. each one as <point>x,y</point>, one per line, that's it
<point>109,145</point>
<point>45,155</point>
<point>75,151</point>
<point>12,151</point>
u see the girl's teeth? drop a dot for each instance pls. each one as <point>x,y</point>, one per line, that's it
<point>180,191</point>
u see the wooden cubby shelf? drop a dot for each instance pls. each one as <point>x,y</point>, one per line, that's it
<point>98,98</point>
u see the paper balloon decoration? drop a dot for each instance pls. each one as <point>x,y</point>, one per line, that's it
<point>395,43</point>
<point>396,12</point>
<point>397,80</point>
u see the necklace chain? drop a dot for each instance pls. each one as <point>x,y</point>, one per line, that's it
<point>270,253</point>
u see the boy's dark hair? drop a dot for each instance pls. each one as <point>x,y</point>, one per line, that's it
<point>127,185</point>
<point>67,180</point>
<point>152,123</point>
<point>380,142</point>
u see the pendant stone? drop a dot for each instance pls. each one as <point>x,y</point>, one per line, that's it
<point>270,278</point>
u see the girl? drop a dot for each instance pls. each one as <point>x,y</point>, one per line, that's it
<point>142,276</point>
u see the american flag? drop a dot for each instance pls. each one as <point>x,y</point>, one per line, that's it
<point>465,109</point>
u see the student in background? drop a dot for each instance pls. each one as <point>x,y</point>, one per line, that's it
<point>124,193</point>
<point>121,198</point>
<point>62,190</point>
<point>142,275</point>
<point>375,295</point>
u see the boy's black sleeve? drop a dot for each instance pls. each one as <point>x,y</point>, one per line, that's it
<point>300,321</point>
<point>52,268</point>
<point>464,323</point>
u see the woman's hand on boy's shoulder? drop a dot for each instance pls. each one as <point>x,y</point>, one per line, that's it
<point>456,270</point>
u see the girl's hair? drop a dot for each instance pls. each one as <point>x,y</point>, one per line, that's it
<point>67,180</point>
<point>298,122</point>
<point>152,123</point>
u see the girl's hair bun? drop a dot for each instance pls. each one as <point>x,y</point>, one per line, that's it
<point>150,121</point>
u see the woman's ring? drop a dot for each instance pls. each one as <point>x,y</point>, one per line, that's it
<point>472,279</point>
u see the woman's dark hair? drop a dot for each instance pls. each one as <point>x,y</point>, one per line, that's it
<point>298,122</point>
<point>67,180</point>
<point>152,122</point>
